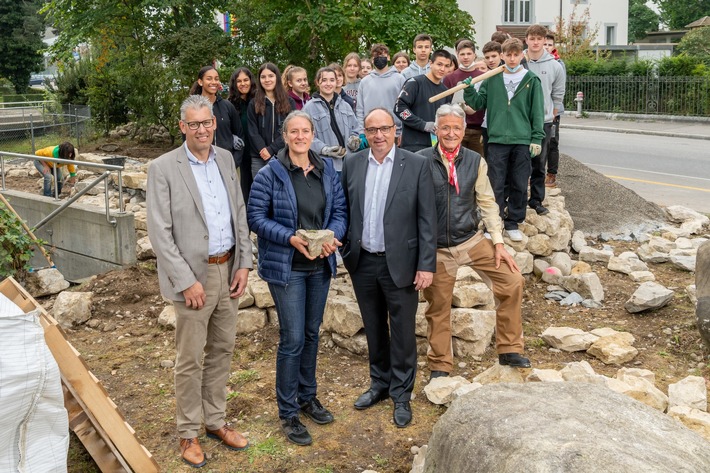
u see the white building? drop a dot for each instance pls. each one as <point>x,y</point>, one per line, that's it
<point>514,16</point>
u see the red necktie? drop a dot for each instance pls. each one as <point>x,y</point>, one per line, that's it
<point>450,156</point>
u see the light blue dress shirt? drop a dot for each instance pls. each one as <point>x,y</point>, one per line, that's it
<point>377,184</point>
<point>215,202</point>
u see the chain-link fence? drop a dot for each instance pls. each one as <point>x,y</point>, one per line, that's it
<point>28,126</point>
<point>684,96</point>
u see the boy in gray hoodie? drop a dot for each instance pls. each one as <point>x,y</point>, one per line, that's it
<point>379,89</point>
<point>552,78</point>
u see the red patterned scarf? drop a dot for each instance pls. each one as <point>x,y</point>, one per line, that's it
<point>450,156</point>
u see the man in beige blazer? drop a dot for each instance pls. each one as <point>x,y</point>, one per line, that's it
<point>197,226</point>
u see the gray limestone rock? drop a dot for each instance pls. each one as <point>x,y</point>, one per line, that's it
<point>562,261</point>
<point>627,262</point>
<point>586,285</point>
<point>702,292</point>
<point>586,429</point>
<point>691,392</point>
<point>440,390</point>
<point>473,325</point>
<point>592,255</point>
<point>572,299</point>
<point>472,295</point>
<point>72,308</point>
<point>650,295</point>
<point>578,241</point>
<point>45,282</point>
<point>167,317</point>
<point>568,339</point>
<point>342,315</point>
<point>144,250</point>
<point>648,254</point>
<point>356,344</point>
<point>250,320</point>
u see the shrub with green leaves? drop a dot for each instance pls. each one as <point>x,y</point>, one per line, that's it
<point>16,247</point>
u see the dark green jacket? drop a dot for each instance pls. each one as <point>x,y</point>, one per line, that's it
<point>518,121</point>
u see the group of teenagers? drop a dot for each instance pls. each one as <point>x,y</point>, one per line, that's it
<point>403,185</point>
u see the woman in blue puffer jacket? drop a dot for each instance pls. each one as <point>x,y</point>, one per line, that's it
<point>297,190</point>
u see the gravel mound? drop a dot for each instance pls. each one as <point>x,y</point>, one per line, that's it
<point>598,204</point>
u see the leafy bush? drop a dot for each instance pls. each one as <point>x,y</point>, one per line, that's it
<point>16,247</point>
<point>681,65</point>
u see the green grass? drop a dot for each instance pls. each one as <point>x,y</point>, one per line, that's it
<point>243,376</point>
<point>24,145</point>
<point>380,461</point>
<point>269,447</point>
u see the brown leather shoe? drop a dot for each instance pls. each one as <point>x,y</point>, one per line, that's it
<point>232,439</point>
<point>192,453</point>
<point>551,180</point>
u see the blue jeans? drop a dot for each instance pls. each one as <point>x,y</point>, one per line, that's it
<point>48,176</point>
<point>300,306</point>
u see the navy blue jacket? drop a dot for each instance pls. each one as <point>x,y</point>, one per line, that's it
<point>272,214</point>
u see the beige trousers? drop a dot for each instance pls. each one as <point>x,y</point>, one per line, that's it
<point>507,286</point>
<point>201,385</point>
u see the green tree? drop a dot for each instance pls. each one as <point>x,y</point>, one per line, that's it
<point>144,54</point>
<point>641,20</point>
<point>678,13</point>
<point>21,41</point>
<point>696,43</point>
<point>312,34</point>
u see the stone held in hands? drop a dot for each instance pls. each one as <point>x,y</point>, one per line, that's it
<point>316,239</point>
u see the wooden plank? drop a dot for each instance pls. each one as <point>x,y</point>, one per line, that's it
<point>94,440</point>
<point>103,415</point>
<point>95,400</point>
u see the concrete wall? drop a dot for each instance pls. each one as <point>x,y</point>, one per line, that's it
<point>84,242</point>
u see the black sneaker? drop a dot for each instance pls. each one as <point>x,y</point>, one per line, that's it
<point>295,431</point>
<point>315,411</point>
<point>541,210</point>
<point>437,374</point>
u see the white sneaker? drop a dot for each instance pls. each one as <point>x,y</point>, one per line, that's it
<point>515,235</point>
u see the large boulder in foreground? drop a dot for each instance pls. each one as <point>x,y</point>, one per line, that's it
<point>560,427</point>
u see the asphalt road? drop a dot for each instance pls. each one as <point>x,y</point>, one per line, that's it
<point>667,171</point>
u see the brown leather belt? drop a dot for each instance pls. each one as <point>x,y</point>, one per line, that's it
<point>221,259</point>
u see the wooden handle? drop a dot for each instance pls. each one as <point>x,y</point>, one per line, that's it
<point>462,86</point>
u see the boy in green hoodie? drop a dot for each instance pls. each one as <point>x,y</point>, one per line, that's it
<point>515,115</point>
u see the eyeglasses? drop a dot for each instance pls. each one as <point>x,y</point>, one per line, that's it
<point>449,129</point>
<point>195,125</point>
<point>383,129</point>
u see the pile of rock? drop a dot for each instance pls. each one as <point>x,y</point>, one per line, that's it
<point>606,344</point>
<point>686,400</point>
<point>132,131</point>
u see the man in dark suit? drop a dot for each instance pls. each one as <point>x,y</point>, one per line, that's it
<point>390,252</point>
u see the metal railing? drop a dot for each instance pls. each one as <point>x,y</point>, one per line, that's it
<point>683,96</point>
<point>108,169</point>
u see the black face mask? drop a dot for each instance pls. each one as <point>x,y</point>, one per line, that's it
<point>380,62</point>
